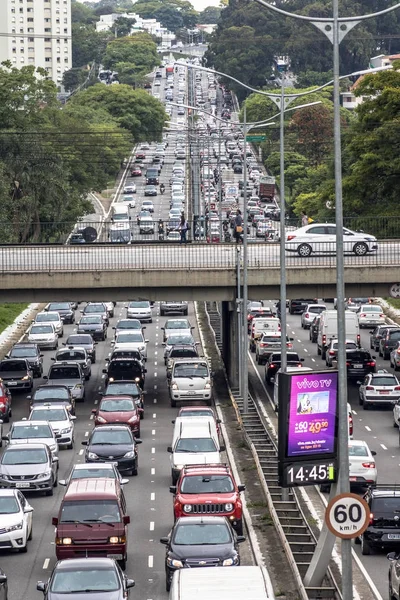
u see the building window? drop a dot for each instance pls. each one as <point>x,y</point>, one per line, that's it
<point>66,60</point>
<point>30,30</point>
<point>47,20</point>
<point>31,49</point>
<point>30,19</point>
<point>14,50</point>
<point>22,59</point>
<point>31,59</point>
<point>22,50</point>
<point>47,59</point>
<point>21,19</point>
<point>58,59</point>
<point>13,20</point>
<point>47,30</point>
<point>31,39</point>
<point>13,10</point>
<point>48,49</point>
<point>47,39</point>
<point>21,10</point>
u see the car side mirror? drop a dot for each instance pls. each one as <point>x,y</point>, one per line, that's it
<point>374,357</point>
<point>169,449</point>
<point>222,448</point>
<point>392,556</point>
<point>240,539</point>
<point>302,360</point>
<point>84,443</point>
<point>41,586</point>
<point>45,377</point>
<point>164,540</point>
<point>163,329</point>
<point>54,521</point>
<point>126,519</point>
<point>114,328</point>
<point>28,509</point>
<point>138,441</point>
<point>172,489</point>
<point>94,411</point>
<point>5,438</point>
<point>241,487</point>
<point>54,459</point>
<point>373,452</point>
<point>130,583</point>
<point>359,382</point>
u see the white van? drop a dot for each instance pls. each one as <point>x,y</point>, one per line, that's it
<point>261,325</point>
<point>220,583</point>
<point>182,423</point>
<point>120,214</point>
<point>190,379</point>
<point>327,329</point>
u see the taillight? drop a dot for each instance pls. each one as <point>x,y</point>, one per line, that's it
<point>358,340</point>
<point>272,366</point>
<point>363,315</point>
<point>299,365</point>
<point>290,237</point>
<point>307,316</point>
<point>350,425</point>
<point>370,387</point>
<point>347,364</point>
<point>369,465</point>
<point>331,353</point>
<point>371,363</point>
<point>289,345</point>
<point>381,315</point>
<point>371,518</point>
<point>324,339</point>
<point>397,387</point>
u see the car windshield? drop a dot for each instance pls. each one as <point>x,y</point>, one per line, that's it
<point>384,380</point>
<point>201,534</point>
<point>95,320</point>
<point>123,405</point>
<point>33,456</point>
<point>349,346</point>
<point>23,352</point>
<point>129,337</point>
<point>371,308</point>
<point>268,339</point>
<point>173,340</point>
<point>9,505</point>
<point>386,505</point>
<point>106,473</point>
<point>45,393</point>
<point>84,581</point>
<point>37,329</point>
<point>50,414</point>
<point>64,372</point>
<point>45,317</point>
<point>191,370</point>
<point>143,304</point>
<point>59,306</point>
<point>202,412</point>
<point>90,511</point>
<point>122,388</point>
<point>21,432</point>
<point>13,365</point>
<point>113,437</point>
<point>207,484</point>
<point>95,308</point>
<point>316,309</point>
<point>131,324</point>
<point>395,335</point>
<point>174,324</point>
<point>358,450</point>
<point>195,445</point>
<point>78,340</point>
<point>71,355</point>
<point>357,356</point>
<point>183,353</point>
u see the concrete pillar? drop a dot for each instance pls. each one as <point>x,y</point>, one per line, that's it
<point>230,342</point>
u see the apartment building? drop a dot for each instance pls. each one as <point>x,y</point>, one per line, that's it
<point>38,33</point>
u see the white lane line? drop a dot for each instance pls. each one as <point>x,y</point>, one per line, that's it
<point>305,350</point>
<point>81,452</point>
<point>86,433</point>
<point>99,388</point>
<point>91,416</point>
<point>155,363</point>
<point>46,563</point>
<point>154,415</point>
<point>155,387</point>
<point>153,450</point>
<point>155,374</point>
<point>96,402</point>
<point>354,412</point>
<point>155,353</point>
<point>367,428</point>
<point>313,359</point>
<point>152,496</point>
<point>152,471</point>
<point>383,446</point>
<point>153,432</point>
<point>155,400</point>
<point>150,562</point>
<point>151,525</point>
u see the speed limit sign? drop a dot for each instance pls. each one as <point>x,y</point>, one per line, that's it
<point>347,516</point>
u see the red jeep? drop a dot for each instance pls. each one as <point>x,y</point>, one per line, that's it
<point>209,490</point>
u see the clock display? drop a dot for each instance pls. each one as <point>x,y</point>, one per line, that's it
<point>309,473</point>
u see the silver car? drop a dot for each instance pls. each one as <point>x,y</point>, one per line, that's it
<point>76,354</point>
<point>51,317</point>
<point>94,471</point>
<point>69,374</point>
<point>24,432</point>
<point>29,467</point>
<point>180,308</point>
<point>45,336</point>
<point>310,312</point>
<point>176,326</point>
<point>139,309</point>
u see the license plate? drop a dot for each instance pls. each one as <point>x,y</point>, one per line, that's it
<point>384,392</point>
<point>11,382</point>
<point>191,393</point>
<point>393,536</point>
<point>22,484</point>
<point>352,478</point>
<point>115,556</point>
<point>358,366</point>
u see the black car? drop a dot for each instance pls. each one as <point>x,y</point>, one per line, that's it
<point>273,364</point>
<point>96,308</point>
<point>200,542</point>
<point>64,309</point>
<point>16,373</point>
<point>314,329</point>
<point>113,443</point>
<point>83,340</point>
<point>95,325</point>
<point>31,352</point>
<point>383,531</point>
<point>126,388</point>
<point>388,342</point>
<point>126,354</point>
<point>376,335</point>
<point>298,306</point>
<point>53,394</point>
<point>125,368</point>
<point>359,363</point>
<point>78,578</point>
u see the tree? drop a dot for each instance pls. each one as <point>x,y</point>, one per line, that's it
<point>106,7</point>
<point>128,74</point>
<point>81,13</point>
<point>88,45</point>
<point>210,15</point>
<point>73,78</point>
<point>173,14</point>
<point>169,16</point>
<point>123,26</point>
<point>138,49</point>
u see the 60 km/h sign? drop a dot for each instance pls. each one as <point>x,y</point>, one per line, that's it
<point>347,516</point>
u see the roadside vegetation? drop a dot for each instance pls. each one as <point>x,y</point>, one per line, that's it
<point>9,312</point>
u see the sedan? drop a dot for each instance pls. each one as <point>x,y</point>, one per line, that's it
<point>61,421</point>
<point>121,368</point>
<point>130,189</point>
<point>362,467</point>
<point>273,364</point>
<point>51,317</point>
<point>310,312</point>
<point>150,190</point>
<point>53,394</point>
<point>131,340</point>
<point>321,238</point>
<point>139,309</point>
<point>148,205</point>
<point>77,355</point>
<point>44,336</point>
<point>31,353</point>
<point>379,388</point>
<point>15,520</point>
<point>332,350</point>
<point>127,200</point>
<point>128,325</point>
<point>200,542</point>
<point>136,172</point>
<point>126,388</point>
<point>79,578</point>
<point>176,326</point>
<point>95,325</point>
<point>64,309</point>
<point>377,334</point>
<point>175,213</point>
<point>115,443</point>
<point>370,315</point>
<point>118,409</point>
<point>29,467</point>
<point>359,363</point>
<point>83,341</point>
<point>69,374</point>
<point>24,432</point>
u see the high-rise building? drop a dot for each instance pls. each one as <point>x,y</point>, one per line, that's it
<point>37,32</point>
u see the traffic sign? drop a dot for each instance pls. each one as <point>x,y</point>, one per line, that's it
<point>347,516</point>
<point>395,290</point>
<point>256,138</point>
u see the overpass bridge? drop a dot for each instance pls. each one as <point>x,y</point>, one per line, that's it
<point>196,271</point>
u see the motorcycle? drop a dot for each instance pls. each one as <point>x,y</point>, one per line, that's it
<point>162,188</point>
<point>227,237</point>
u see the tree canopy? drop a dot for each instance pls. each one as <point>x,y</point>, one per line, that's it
<point>138,49</point>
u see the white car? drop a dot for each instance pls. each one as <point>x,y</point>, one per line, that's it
<point>175,213</point>
<point>62,422</point>
<point>130,189</point>
<point>370,315</point>
<point>127,200</point>
<point>139,309</point>
<point>362,467</point>
<point>320,238</point>
<point>176,327</point>
<point>311,311</point>
<point>26,432</point>
<point>132,340</point>
<point>53,318</point>
<point>15,520</point>
<point>148,205</point>
<point>378,388</point>
<point>44,336</point>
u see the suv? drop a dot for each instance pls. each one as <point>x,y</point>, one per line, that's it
<point>180,308</point>
<point>379,388</point>
<point>76,354</point>
<point>359,363</point>
<point>69,374</point>
<point>31,353</point>
<point>269,343</point>
<point>273,364</point>
<point>299,306</point>
<point>384,526</point>
<point>376,335</point>
<point>388,342</point>
<point>211,490</point>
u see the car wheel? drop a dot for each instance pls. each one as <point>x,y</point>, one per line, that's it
<point>55,484</point>
<point>360,401</point>
<point>395,366</point>
<point>136,468</point>
<point>394,423</point>
<point>6,417</point>
<point>93,359</point>
<point>239,527</point>
<point>122,563</point>
<point>173,403</point>
<point>323,353</point>
<point>30,533</point>
<point>365,406</point>
<point>391,593</point>
<point>318,350</point>
<point>167,584</point>
<point>357,541</point>
<point>385,355</point>
<point>360,249</point>
<point>71,445</point>
<point>365,547</point>
<point>304,250</point>
<point>49,492</point>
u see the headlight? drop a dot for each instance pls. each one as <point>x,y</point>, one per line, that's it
<point>115,539</point>
<point>78,386</point>
<point>66,430</point>
<point>92,456</point>
<point>101,420</point>
<point>174,386</point>
<point>187,508</point>
<point>45,475</point>
<point>14,527</point>
<point>207,385</point>
<point>111,379</point>
<point>66,541</point>
<point>129,454</point>
<point>25,378</point>
<point>6,477</point>
<point>133,419</point>
<point>229,506</point>
<point>228,562</point>
<point>173,562</point>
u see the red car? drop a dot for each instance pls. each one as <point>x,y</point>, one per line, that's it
<point>140,155</point>
<point>199,411</point>
<point>136,172</point>
<point>118,409</point>
<point>208,490</point>
<point>5,403</point>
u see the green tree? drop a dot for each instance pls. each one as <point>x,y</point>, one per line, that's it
<point>81,13</point>
<point>73,78</point>
<point>169,16</point>
<point>138,49</point>
<point>123,26</point>
<point>210,15</point>
<point>88,45</point>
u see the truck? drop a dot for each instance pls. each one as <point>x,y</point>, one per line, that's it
<point>266,190</point>
<point>169,70</point>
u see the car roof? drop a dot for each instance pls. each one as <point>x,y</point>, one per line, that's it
<point>202,520</point>
<point>48,406</point>
<point>30,423</point>
<point>111,427</point>
<point>358,443</point>
<point>99,487</point>
<point>88,563</point>
<point>8,492</point>
<point>25,345</point>
<point>94,466</point>
<point>30,446</point>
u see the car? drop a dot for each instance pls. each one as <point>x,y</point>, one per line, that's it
<point>376,335</point>
<point>64,309</point>
<point>370,315</point>
<point>131,340</point>
<point>93,471</point>
<point>118,409</point>
<point>359,363</point>
<point>310,312</point>
<point>136,171</point>
<point>127,325</point>
<point>174,213</point>
<point>178,339</point>
<point>5,404</point>
<point>383,528</point>
<point>314,329</point>
<point>31,353</point>
<point>30,467</point>
<point>173,225</point>
<point>388,341</point>
<point>125,388</point>
<point>320,238</point>
<point>15,520</point>
<point>268,343</point>
<point>53,394</point>
<point>44,318</point>
<point>126,200</point>
<point>148,205</point>
<point>83,340</point>
<point>332,350</point>
<point>150,190</point>
<point>130,189</point>
<point>75,354</point>
<point>16,373</point>
<point>45,336</point>
<point>97,308</point>
<point>139,309</point>
<point>22,432</point>
<point>273,364</point>
<point>299,305</point>
<point>95,325</point>
<point>354,304</point>
<point>146,225</point>
<point>121,368</point>
<point>176,326</point>
<point>76,238</point>
<point>174,307</point>
<point>69,374</point>
<point>380,388</point>
<point>394,572</point>
<point>140,155</point>
<point>199,411</point>
<point>201,541</point>
<point>362,467</point>
<point>394,357</point>
<point>181,351</point>
<point>80,578</point>
<point>115,443</point>
<point>208,489</point>
<point>60,419</point>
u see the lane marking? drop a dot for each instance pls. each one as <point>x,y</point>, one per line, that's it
<point>81,452</point>
<point>367,428</point>
<point>155,387</point>
<point>46,563</point>
<point>152,495</point>
<point>150,561</point>
<point>153,432</point>
<point>383,446</point>
<point>153,450</point>
<point>86,433</point>
<point>154,415</point>
<point>152,471</point>
<point>151,525</point>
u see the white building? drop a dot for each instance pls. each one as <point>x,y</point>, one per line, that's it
<point>38,32</point>
<point>152,26</point>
